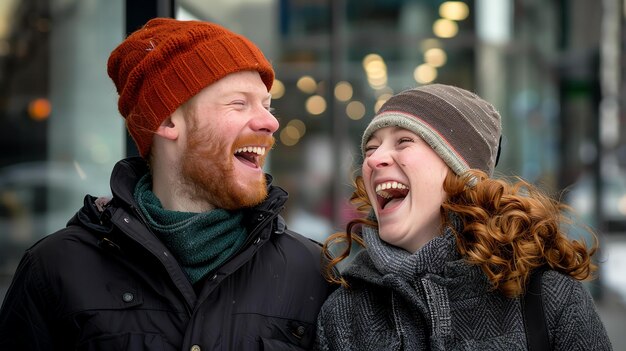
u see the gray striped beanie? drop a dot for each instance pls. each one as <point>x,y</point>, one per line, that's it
<point>463,129</point>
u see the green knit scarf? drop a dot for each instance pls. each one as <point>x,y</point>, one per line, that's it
<point>200,241</point>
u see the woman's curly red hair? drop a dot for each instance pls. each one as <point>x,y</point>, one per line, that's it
<point>508,229</point>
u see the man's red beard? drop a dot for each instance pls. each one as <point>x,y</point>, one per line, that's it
<point>208,169</point>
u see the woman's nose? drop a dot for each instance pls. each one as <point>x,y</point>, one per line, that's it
<point>379,158</point>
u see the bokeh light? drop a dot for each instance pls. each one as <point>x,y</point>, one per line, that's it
<point>454,10</point>
<point>343,91</point>
<point>315,105</point>
<point>278,89</point>
<point>435,57</point>
<point>307,84</point>
<point>445,28</point>
<point>355,110</point>
<point>39,109</point>
<point>425,74</point>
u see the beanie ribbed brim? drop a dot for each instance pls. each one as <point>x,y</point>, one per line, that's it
<point>463,129</point>
<point>413,123</point>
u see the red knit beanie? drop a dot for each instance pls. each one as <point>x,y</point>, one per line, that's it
<point>162,65</point>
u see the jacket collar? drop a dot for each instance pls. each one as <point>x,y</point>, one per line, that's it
<point>125,176</point>
<point>127,172</point>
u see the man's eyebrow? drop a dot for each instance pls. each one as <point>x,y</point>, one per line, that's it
<point>247,92</point>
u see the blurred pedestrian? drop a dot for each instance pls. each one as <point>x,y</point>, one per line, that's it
<point>450,249</point>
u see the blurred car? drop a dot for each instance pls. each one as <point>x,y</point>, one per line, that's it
<point>36,199</point>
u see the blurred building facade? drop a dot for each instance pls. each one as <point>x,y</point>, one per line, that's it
<point>551,67</point>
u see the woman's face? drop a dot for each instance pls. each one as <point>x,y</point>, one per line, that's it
<point>404,182</point>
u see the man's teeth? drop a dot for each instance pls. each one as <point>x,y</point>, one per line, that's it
<point>380,188</point>
<point>254,149</point>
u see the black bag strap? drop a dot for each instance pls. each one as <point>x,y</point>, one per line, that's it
<point>534,317</point>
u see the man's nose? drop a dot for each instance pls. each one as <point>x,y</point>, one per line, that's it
<point>264,121</point>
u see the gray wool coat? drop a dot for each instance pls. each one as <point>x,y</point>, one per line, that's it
<point>434,300</point>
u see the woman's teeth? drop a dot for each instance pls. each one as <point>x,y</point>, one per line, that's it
<point>389,185</point>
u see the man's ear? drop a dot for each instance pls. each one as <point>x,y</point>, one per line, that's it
<point>168,129</point>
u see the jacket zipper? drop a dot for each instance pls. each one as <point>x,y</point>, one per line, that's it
<point>144,221</point>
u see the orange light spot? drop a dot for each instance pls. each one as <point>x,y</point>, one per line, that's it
<point>39,109</point>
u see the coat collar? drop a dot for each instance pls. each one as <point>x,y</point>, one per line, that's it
<point>127,172</point>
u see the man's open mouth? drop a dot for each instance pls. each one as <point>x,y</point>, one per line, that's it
<point>251,155</point>
<point>390,192</point>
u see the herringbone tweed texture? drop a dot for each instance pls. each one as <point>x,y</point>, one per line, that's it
<point>433,300</point>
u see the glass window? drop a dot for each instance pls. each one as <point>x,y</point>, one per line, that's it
<point>61,131</point>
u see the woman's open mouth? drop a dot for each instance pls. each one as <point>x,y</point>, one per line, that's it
<point>390,193</point>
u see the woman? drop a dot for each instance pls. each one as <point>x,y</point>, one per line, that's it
<point>449,249</point>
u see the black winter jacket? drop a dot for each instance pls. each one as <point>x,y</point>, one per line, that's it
<point>107,283</point>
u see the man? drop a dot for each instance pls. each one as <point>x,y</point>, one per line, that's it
<point>190,253</point>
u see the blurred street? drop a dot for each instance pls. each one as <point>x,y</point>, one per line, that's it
<point>613,313</point>
<point>612,301</point>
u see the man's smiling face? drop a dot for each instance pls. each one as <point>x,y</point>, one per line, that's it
<point>228,137</point>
